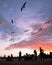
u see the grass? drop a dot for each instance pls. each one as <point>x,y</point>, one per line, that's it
<point>22,62</point>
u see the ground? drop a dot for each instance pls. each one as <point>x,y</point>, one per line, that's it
<point>22,62</point>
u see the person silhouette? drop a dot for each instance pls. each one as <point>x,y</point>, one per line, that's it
<point>11,57</point>
<point>20,55</point>
<point>35,54</point>
<point>41,53</point>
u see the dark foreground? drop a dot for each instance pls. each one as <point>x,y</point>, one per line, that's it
<point>22,62</point>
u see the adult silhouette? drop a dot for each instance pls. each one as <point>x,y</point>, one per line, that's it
<point>20,55</point>
<point>35,54</point>
<point>41,54</point>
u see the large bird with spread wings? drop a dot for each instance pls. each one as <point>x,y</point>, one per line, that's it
<point>23,6</point>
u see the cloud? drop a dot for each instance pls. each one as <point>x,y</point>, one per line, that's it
<point>39,10</point>
<point>44,27</point>
<point>31,18</point>
<point>32,44</point>
<point>41,39</point>
<point>6,29</point>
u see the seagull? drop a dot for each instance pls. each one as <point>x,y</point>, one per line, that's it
<point>23,6</point>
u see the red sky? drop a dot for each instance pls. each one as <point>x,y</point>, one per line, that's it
<point>40,38</point>
<point>31,27</point>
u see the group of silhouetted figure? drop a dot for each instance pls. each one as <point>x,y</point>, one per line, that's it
<point>32,56</point>
<point>42,56</point>
<point>9,58</point>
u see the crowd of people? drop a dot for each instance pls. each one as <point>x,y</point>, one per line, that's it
<point>28,57</point>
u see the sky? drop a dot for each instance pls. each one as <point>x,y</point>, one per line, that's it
<point>31,27</point>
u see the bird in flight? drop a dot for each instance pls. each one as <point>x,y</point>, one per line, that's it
<point>41,27</point>
<point>23,6</point>
<point>48,21</point>
<point>26,30</point>
<point>12,32</point>
<point>37,31</point>
<point>12,21</point>
<point>33,33</point>
<point>12,39</point>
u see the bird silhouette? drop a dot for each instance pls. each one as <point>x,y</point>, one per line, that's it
<point>11,40</point>
<point>26,30</point>
<point>23,6</point>
<point>48,21</point>
<point>12,32</point>
<point>40,29</point>
<point>12,21</point>
<point>33,33</point>
<point>37,31</point>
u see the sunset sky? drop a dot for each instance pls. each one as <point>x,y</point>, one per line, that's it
<point>31,28</point>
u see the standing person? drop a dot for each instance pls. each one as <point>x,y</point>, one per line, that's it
<point>41,53</point>
<point>11,57</point>
<point>20,55</point>
<point>35,54</point>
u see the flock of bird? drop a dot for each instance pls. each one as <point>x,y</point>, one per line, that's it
<point>23,6</point>
<point>33,33</point>
<point>41,27</point>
